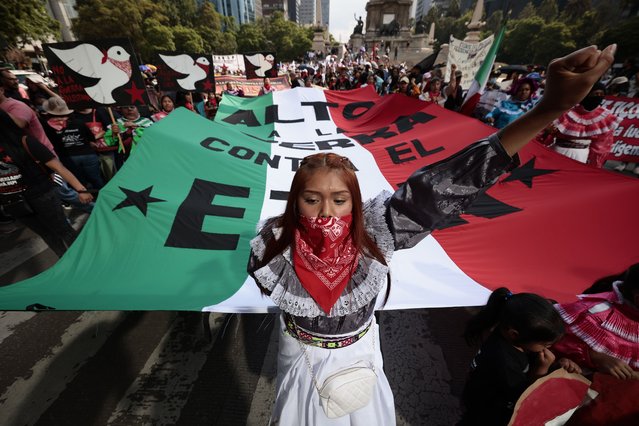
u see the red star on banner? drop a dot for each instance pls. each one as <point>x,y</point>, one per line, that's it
<point>136,94</point>
<point>207,86</point>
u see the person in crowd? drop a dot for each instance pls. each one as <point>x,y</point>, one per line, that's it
<point>211,106</point>
<point>453,90</point>
<point>231,91</point>
<point>97,120</point>
<point>434,92</point>
<point>403,86</point>
<point>324,261</point>
<point>266,87</point>
<point>515,332</point>
<point>11,86</point>
<point>344,81</point>
<point>370,81</point>
<point>603,328</point>
<point>618,86</point>
<point>515,106</point>
<point>27,193</point>
<point>130,127</point>
<point>585,132</point>
<point>26,118</point>
<point>38,90</point>
<point>73,138</point>
<point>199,100</point>
<point>166,107</point>
<point>184,99</point>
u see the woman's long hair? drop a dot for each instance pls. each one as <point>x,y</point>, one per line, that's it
<point>630,278</point>
<point>289,220</point>
<point>533,317</point>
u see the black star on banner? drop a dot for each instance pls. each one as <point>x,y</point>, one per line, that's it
<point>484,206</point>
<point>139,199</point>
<point>526,173</point>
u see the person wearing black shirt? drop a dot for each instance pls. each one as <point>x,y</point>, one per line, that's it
<point>27,193</point>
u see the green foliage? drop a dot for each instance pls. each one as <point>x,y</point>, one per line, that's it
<point>187,39</point>
<point>548,10</point>
<point>251,38</point>
<point>528,11</point>
<point>626,35</point>
<point>287,38</point>
<point>552,42</point>
<point>24,21</point>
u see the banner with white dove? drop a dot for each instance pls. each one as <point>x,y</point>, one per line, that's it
<point>260,65</point>
<point>102,72</point>
<point>185,71</point>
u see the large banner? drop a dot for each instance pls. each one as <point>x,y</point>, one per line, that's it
<point>260,65</point>
<point>626,145</point>
<point>251,88</point>
<point>232,63</point>
<point>172,229</point>
<point>468,57</point>
<point>90,74</point>
<point>186,72</point>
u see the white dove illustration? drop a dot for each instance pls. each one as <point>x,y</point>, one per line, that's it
<point>112,67</point>
<point>184,64</point>
<point>263,63</point>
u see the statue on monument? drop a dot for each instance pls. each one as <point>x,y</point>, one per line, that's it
<point>420,27</point>
<point>360,25</point>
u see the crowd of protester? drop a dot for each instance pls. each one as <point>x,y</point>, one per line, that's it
<point>519,334</point>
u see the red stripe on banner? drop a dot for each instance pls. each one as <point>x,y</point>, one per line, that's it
<point>626,141</point>
<point>553,226</point>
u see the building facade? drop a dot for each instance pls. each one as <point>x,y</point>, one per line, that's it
<point>311,12</point>
<point>294,10</point>
<point>421,8</point>
<point>271,6</point>
<point>244,11</point>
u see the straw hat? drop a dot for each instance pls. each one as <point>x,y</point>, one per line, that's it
<point>55,105</point>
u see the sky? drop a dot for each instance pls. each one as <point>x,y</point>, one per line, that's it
<point>341,21</point>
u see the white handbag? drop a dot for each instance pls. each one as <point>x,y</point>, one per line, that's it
<point>347,390</point>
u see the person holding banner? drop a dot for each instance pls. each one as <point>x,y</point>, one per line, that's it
<point>325,260</point>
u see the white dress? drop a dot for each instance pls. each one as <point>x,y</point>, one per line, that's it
<point>429,199</point>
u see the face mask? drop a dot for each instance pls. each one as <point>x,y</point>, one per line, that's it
<point>591,102</point>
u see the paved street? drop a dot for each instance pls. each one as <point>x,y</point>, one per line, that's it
<point>162,368</point>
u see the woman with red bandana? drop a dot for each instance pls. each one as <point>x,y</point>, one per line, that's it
<point>325,260</point>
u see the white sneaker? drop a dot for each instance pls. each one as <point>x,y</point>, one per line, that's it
<point>636,170</point>
<point>620,168</point>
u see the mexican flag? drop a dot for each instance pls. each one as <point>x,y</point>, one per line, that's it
<point>171,231</point>
<point>483,74</point>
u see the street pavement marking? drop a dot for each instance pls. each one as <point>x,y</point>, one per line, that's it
<point>27,398</point>
<point>162,387</point>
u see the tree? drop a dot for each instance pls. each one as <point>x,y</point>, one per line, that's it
<point>548,10</point>
<point>217,31</point>
<point>553,41</point>
<point>251,38</point>
<point>626,35</point>
<point>516,44</point>
<point>289,39</point>
<point>574,9</point>
<point>528,11</point>
<point>24,21</point>
<point>110,18</point>
<point>187,39</point>
<point>454,9</point>
<point>494,22</point>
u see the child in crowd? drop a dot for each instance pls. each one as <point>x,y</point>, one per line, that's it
<point>515,331</point>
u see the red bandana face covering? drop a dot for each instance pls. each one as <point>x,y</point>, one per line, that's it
<point>324,257</point>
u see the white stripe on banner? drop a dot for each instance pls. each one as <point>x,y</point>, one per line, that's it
<point>421,276</point>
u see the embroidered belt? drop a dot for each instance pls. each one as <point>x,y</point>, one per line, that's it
<point>322,342</point>
<point>565,143</point>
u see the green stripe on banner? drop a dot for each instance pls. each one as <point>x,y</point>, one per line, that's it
<point>171,231</point>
